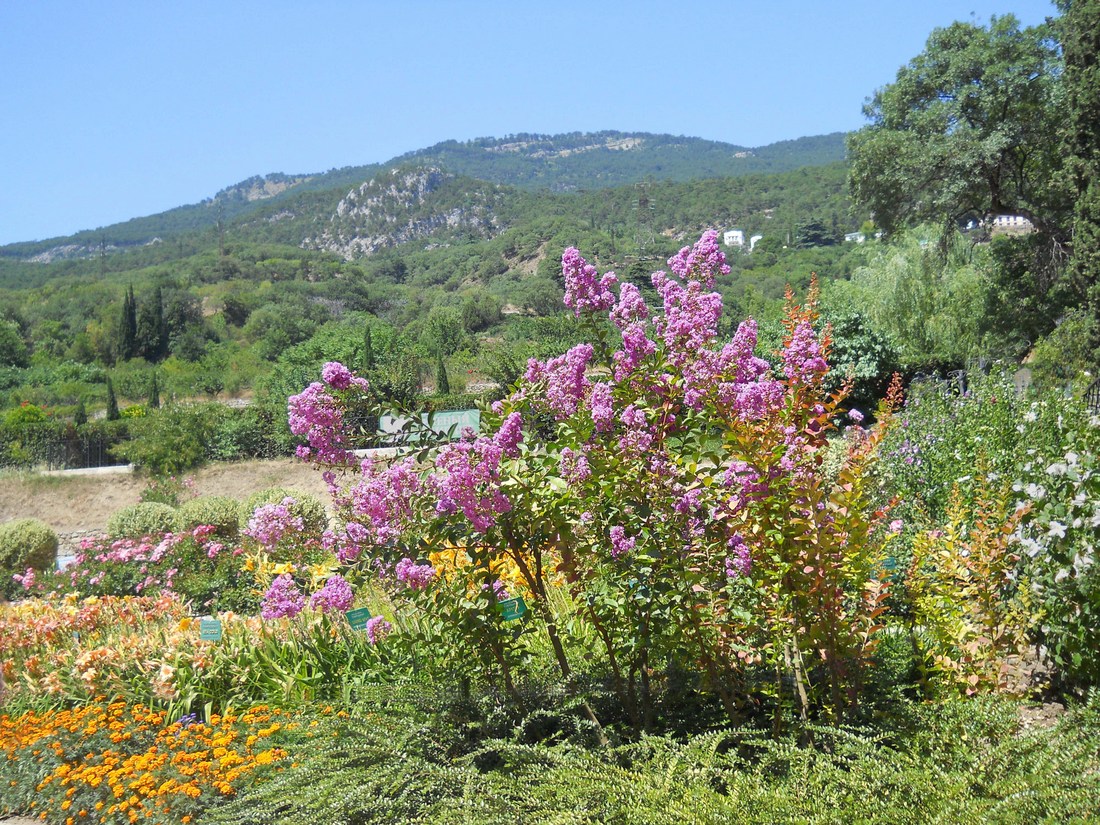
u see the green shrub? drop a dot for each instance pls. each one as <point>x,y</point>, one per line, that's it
<point>308,508</point>
<point>25,542</point>
<point>145,519</point>
<point>222,512</point>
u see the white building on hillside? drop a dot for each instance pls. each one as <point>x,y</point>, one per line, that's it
<point>734,237</point>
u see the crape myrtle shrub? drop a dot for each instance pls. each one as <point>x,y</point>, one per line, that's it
<point>668,484</point>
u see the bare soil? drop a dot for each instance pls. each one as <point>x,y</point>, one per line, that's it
<point>83,503</point>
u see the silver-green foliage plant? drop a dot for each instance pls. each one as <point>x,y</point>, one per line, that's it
<point>221,512</point>
<point>25,543</point>
<point>145,519</point>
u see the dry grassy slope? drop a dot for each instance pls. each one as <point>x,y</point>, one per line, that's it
<point>76,503</point>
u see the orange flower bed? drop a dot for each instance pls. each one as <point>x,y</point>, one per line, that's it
<point>119,763</point>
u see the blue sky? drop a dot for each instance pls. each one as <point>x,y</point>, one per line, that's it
<point>112,110</point>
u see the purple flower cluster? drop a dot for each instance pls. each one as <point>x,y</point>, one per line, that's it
<point>282,599</point>
<point>467,479</point>
<point>334,597</point>
<point>377,629</point>
<point>411,574</point>
<point>631,308</point>
<point>271,522</point>
<point>601,407</point>
<point>621,543</point>
<point>573,466</point>
<point>566,385</point>
<point>690,320</point>
<point>383,503</point>
<point>510,435</point>
<point>739,561</point>
<point>636,348</point>
<point>317,414</point>
<point>636,438</point>
<point>314,413</point>
<point>584,288</point>
<point>803,362</point>
<point>702,262</point>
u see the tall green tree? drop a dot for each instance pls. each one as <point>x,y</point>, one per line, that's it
<point>1079,29</point>
<point>112,402</point>
<point>152,333</point>
<point>965,130</point>
<point>127,327</point>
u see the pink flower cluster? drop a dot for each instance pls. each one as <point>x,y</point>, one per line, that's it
<point>318,415</point>
<point>566,385</point>
<point>621,543</point>
<point>739,561</point>
<point>584,288</point>
<point>690,320</point>
<point>467,479</point>
<point>377,629</point>
<point>601,406</point>
<point>383,504</point>
<point>282,599</point>
<point>702,262</point>
<point>637,438</point>
<point>314,413</point>
<point>573,466</point>
<point>803,361</point>
<point>271,522</point>
<point>334,597</point>
<point>411,574</point>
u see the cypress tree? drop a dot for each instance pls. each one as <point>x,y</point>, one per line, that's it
<point>1079,28</point>
<point>367,357</point>
<point>154,394</point>
<point>127,327</point>
<point>442,383</point>
<point>152,335</point>
<point>112,402</point>
<point>80,418</point>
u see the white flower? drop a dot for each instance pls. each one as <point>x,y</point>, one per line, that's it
<point>1057,469</point>
<point>1071,458</point>
<point>1031,415</point>
<point>1082,563</point>
<point>1056,530</point>
<point>1061,576</point>
<point>1035,492</point>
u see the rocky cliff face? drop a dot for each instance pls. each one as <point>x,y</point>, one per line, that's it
<point>406,205</point>
<point>261,187</point>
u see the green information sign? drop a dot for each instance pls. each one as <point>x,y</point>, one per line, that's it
<point>358,618</point>
<point>210,630</point>
<point>511,609</point>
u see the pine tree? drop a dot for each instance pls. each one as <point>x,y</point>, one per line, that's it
<point>112,402</point>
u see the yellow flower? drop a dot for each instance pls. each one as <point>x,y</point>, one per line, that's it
<point>185,623</point>
<point>285,567</point>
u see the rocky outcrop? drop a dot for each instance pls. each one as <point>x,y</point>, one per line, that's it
<point>402,206</point>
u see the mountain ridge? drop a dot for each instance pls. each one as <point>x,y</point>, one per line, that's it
<point>529,161</point>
